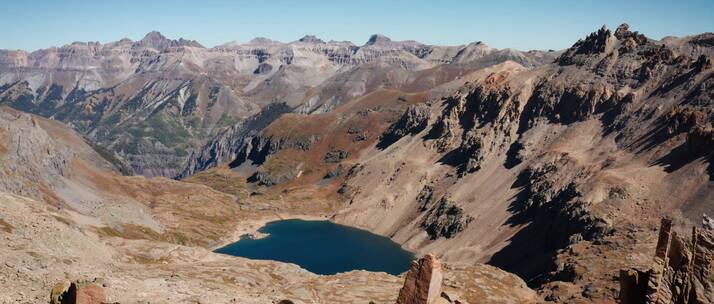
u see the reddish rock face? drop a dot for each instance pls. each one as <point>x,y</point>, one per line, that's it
<point>422,284</point>
<point>78,293</point>
<point>90,294</point>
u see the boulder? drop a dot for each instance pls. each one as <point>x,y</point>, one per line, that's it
<point>78,293</point>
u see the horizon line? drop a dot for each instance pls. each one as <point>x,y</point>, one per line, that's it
<point>239,42</point>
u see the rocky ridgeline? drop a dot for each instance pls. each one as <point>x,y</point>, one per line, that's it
<point>681,271</point>
<point>604,76</point>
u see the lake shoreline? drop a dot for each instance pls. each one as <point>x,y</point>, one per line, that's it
<point>320,246</point>
<point>251,226</point>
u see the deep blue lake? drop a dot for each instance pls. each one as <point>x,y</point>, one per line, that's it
<point>323,247</point>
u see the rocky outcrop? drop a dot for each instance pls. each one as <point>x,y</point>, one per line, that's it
<point>257,149</point>
<point>422,284</point>
<point>476,122</point>
<point>595,43</point>
<point>680,273</point>
<point>335,156</point>
<point>445,219</point>
<point>414,120</point>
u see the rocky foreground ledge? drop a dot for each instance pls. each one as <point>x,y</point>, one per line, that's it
<point>680,273</point>
<point>428,281</point>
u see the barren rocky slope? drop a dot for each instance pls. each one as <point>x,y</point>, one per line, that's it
<point>559,173</point>
<point>572,160</point>
<point>154,100</point>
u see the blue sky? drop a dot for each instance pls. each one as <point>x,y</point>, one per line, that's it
<point>549,24</point>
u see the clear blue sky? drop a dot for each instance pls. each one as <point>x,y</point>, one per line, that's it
<point>550,24</point>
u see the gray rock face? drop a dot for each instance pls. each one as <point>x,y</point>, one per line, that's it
<point>159,42</point>
<point>707,223</point>
<point>336,172</point>
<point>310,39</point>
<point>38,154</point>
<point>263,68</point>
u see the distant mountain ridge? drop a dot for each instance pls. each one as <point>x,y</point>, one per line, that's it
<point>155,100</point>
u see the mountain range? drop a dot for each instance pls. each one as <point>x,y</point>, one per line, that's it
<point>539,176</point>
<point>155,100</point>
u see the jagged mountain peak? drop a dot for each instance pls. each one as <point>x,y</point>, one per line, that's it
<point>153,39</point>
<point>158,41</point>
<point>601,42</point>
<point>153,35</point>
